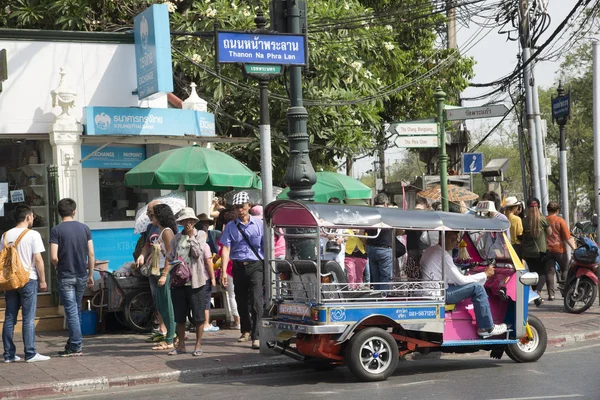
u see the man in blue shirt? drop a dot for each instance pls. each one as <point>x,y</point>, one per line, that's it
<point>72,253</point>
<point>242,241</point>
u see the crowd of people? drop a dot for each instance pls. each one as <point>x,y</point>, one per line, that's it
<point>186,255</point>
<point>183,276</point>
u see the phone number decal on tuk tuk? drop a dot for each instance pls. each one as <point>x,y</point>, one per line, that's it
<point>411,313</point>
<point>356,314</point>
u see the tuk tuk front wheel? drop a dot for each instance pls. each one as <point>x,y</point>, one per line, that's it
<point>372,354</point>
<point>534,348</point>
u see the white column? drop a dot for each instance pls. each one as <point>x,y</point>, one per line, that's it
<point>65,138</point>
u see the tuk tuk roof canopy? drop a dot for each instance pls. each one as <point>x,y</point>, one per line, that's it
<point>308,214</point>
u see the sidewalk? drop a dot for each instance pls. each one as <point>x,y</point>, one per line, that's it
<point>119,360</point>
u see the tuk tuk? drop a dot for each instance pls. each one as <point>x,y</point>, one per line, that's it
<point>319,318</point>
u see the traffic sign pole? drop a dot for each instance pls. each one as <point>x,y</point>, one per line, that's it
<point>440,97</point>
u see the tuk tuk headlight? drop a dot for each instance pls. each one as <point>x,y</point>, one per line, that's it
<point>529,278</point>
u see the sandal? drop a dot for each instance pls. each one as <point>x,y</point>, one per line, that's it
<point>163,346</point>
<point>176,352</point>
<point>197,353</point>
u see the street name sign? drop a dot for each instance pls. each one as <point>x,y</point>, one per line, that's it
<point>416,129</point>
<point>472,163</point>
<point>417,141</point>
<point>561,106</point>
<point>494,110</point>
<point>255,48</point>
<point>258,69</point>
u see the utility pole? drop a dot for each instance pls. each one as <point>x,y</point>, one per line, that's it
<point>596,119</point>
<point>299,175</point>
<point>527,76</point>
<point>451,14</point>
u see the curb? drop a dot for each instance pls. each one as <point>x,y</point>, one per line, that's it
<point>104,383</point>
<point>578,337</point>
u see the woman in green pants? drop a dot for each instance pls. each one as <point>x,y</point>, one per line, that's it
<point>165,220</point>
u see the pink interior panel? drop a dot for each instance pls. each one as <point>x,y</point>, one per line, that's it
<point>293,215</point>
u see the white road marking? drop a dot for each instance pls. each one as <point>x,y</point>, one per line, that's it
<point>563,396</point>
<point>574,349</point>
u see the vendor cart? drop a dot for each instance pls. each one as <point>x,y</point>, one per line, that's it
<point>129,297</point>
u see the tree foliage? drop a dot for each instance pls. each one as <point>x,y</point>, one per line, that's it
<point>374,71</point>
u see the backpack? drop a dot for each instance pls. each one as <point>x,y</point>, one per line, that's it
<point>13,275</point>
<point>587,252</point>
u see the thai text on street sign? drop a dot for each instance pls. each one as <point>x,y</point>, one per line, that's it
<point>251,48</point>
<point>258,69</point>
<point>416,129</point>
<point>472,163</point>
<point>494,110</point>
<point>416,141</point>
<point>561,106</point>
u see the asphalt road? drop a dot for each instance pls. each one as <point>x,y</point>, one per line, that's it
<point>569,372</point>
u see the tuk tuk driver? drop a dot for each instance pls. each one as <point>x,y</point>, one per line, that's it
<point>460,287</point>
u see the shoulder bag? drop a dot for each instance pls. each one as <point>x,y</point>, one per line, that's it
<point>248,241</point>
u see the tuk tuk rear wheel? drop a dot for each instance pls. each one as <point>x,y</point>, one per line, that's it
<point>372,354</point>
<point>534,348</point>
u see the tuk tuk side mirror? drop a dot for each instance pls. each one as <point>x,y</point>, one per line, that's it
<point>595,220</point>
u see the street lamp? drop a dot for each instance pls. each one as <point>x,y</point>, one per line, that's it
<point>561,107</point>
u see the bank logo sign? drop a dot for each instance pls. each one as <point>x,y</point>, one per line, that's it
<point>152,38</point>
<point>148,121</point>
<point>250,48</point>
<point>102,122</point>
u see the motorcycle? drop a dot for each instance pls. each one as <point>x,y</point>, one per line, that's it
<point>581,286</point>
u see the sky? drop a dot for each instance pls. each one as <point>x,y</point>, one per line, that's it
<point>495,57</point>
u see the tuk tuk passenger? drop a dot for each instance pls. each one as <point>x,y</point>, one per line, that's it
<point>460,287</point>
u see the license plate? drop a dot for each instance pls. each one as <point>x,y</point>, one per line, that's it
<point>299,310</point>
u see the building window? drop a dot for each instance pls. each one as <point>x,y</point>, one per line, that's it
<point>117,201</point>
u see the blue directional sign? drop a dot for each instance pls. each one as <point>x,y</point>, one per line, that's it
<point>250,48</point>
<point>561,106</point>
<point>472,163</point>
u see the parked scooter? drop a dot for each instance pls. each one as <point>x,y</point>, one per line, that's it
<point>581,287</point>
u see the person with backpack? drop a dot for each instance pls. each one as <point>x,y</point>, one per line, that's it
<point>25,247</point>
<point>72,253</point>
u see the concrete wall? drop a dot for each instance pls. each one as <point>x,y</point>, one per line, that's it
<point>100,75</point>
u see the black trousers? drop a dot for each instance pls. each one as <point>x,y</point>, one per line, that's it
<point>248,288</point>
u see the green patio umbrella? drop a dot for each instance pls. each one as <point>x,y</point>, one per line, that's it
<point>194,168</point>
<point>332,184</point>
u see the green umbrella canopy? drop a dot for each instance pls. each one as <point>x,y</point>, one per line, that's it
<point>195,168</point>
<point>332,184</point>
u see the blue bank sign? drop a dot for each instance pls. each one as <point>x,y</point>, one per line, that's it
<point>561,107</point>
<point>249,48</point>
<point>153,51</point>
<point>148,121</point>
<point>112,157</point>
